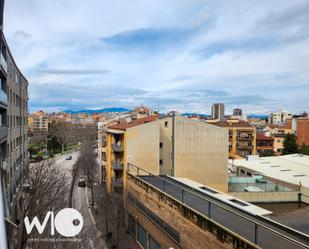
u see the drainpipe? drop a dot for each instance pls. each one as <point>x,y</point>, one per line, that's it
<point>173,144</point>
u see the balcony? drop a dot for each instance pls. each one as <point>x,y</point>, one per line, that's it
<point>3,97</point>
<point>117,148</point>
<point>117,165</point>
<point>4,164</point>
<point>104,143</point>
<point>3,63</point>
<point>245,138</point>
<point>3,132</point>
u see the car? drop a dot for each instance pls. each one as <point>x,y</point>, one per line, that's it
<point>82,182</point>
<point>68,157</point>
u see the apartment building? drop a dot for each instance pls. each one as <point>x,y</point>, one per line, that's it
<point>278,132</point>
<point>279,117</point>
<point>242,137</point>
<point>172,145</point>
<point>264,144</point>
<point>302,130</point>
<point>38,123</point>
<point>13,129</point>
<point>136,142</point>
<point>217,111</point>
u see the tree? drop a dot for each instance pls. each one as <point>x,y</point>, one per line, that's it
<point>304,149</point>
<point>44,188</point>
<point>289,144</point>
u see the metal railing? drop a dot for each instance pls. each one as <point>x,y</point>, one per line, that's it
<point>117,165</point>
<point>3,63</point>
<point>3,131</point>
<point>264,186</point>
<point>3,97</point>
<point>117,148</point>
<point>259,230</point>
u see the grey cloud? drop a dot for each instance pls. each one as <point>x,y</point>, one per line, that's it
<point>20,34</point>
<point>72,71</point>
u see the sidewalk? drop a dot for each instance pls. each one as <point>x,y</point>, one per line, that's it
<point>98,211</point>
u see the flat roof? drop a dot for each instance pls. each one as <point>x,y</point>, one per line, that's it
<point>226,198</point>
<point>293,169</point>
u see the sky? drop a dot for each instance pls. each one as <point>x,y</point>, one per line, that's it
<point>179,55</point>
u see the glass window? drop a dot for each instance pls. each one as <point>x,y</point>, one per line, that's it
<point>153,244</point>
<point>131,224</point>
<point>142,236</point>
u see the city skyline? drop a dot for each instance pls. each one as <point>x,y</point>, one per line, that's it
<point>183,55</point>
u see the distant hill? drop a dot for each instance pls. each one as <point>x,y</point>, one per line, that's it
<point>111,109</point>
<point>261,116</point>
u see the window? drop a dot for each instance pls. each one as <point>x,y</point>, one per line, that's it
<point>249,174</point>
<point>161,161</point>
<point>242,171</point>
<point>131,224</point>
<point>161,145</point>
<point>166,124</point>
<point>153,244</point>
<point>141,236</point>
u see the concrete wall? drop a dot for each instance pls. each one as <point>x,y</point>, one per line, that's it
<point>267,197</point>
<point>166,150</point>
<point>142,146</point>
<point>191,235</point>
<point>201,152</point>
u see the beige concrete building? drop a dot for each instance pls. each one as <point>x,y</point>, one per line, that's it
<point>172,145</point>
<point>242,137</point>
<point>195,150</point>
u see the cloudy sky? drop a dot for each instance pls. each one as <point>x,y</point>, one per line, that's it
<point>181,54</point>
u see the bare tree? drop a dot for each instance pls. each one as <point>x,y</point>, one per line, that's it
<point>67,133</point>
<point>43,190</point>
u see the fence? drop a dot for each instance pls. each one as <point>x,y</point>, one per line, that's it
<point>259,230</point>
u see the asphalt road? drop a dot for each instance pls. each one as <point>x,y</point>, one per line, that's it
<point>88,238</point>
<point>239,225</point>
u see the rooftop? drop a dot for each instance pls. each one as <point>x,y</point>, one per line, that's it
<point>262,136</point>
<point>292,169</point>
<point>136,122</point>
<point>233,123</point>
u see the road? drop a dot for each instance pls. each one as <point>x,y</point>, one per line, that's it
<point>88,237</point>
<point>241,226</point>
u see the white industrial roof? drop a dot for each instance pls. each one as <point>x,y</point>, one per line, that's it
<point>226,198</point>
<point>292,169</point>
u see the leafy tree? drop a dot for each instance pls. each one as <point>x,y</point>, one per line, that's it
<point>304,149</point>
<point>289,144</point>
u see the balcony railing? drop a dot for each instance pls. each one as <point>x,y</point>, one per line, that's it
<point>117,148</point>
<point>3,131</point>
<point>3,63</point>
<point>117,165</point>
<point>118,182</point>
<point>3,97</point>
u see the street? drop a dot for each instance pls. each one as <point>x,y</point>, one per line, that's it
<point>88,237</point>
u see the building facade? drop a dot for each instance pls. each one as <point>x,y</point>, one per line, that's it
<point>217,111</point>
<point>302,131</point>
<point>279,117</point>
<point>193,149</point>
<point>264,144</point>
<point>242,137</point>
<point>38,123</point>
<point>13,134</point>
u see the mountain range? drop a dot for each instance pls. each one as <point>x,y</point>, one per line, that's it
<point>104,110</point>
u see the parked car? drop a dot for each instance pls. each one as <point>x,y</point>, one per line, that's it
<point>68,157</point>
<point>82,182</point>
